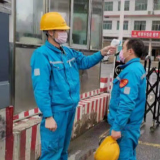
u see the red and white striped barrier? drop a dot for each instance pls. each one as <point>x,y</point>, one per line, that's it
<point>26,114</point>
<point>27,139</point>
<point>90,94</point>
<point>35,111</point>
<point>26,145</point>
<point>104,86</point>
<point>21,140</point>
<point>90,112</point>
<point>6,133</point>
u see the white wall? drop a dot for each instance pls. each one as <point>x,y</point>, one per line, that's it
<point>114,32</point>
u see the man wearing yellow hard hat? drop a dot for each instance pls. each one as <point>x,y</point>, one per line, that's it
<point>55,77</point>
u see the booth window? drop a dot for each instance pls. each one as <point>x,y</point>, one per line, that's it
<point>80,22</point>
<point>63,7</point>
<point>28,15</point>
<point>96,25</point>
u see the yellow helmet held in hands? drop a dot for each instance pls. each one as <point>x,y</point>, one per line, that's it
<point>108,150</point>
<point>53,21</point>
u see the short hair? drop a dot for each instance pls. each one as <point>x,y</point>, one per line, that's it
<point>137,45</point>
<point>46,33</point>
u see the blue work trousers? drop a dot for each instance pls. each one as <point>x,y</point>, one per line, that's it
<point>54,145</point>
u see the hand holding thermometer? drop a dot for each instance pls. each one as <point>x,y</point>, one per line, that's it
<point>110,50</point>
<point>114,43</point>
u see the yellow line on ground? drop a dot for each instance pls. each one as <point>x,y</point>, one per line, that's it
<point>150,144</point>
<point>140,142</point>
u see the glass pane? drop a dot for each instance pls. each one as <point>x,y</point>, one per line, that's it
<point>96,24</point>
<point>156,4</point>
<point>108,6</point>
<point>139,25</point>
<point>61,6</point>
<point>125,26</point>
<point>27,22</point>
<point>24,97</point>
<point>117,25</point>
<point>143,25</point>
<point>141,5</point>
<point>80,22</point>
<point>119,6</point>
<point>156,25</point>
<point>108,25</point>
<point>136,24</point>
<point>126,8</point>
<point>90,75</point>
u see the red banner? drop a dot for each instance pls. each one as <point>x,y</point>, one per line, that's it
<point>146,34</point>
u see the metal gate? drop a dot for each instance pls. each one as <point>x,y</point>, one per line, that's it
<point>152,92</point>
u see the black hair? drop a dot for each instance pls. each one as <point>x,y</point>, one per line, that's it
<point>137,45</point>
<point>46,33</point>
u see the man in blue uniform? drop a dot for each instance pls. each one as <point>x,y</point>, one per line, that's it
<point>128,97</point>
<point>55,77</point>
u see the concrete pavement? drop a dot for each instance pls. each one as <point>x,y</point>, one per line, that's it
<point>148,148</point>
<point>149,143</point>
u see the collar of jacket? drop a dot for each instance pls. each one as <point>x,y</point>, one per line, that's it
<point>52,47</point>
<point>131,61</point>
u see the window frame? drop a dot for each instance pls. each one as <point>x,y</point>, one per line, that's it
<point>140,23</point>
<point>110,3</point>
<point>155,25</point>
<point>108,24</point>
<point>125,5</point>
<point>139,5</point>
<point>22,44</point>
<point>123,25</point>
<point>157,5</point>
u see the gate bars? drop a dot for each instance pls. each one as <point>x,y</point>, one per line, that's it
<point>154,88</point>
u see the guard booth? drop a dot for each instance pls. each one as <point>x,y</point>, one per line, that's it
<point>85,18</point>
<point>20,35</point>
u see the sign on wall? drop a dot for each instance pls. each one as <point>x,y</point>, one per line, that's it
<point>146,34</point>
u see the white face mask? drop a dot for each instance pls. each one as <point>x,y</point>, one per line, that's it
<point>62,37</point>
<point>121,56</point>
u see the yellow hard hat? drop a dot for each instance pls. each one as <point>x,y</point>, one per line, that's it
<point>53,21</point>
<point>108,150</point>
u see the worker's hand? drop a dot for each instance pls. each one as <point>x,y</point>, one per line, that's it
<point>109,49</point>
<point>115,135</point>
<point>51,124</point>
